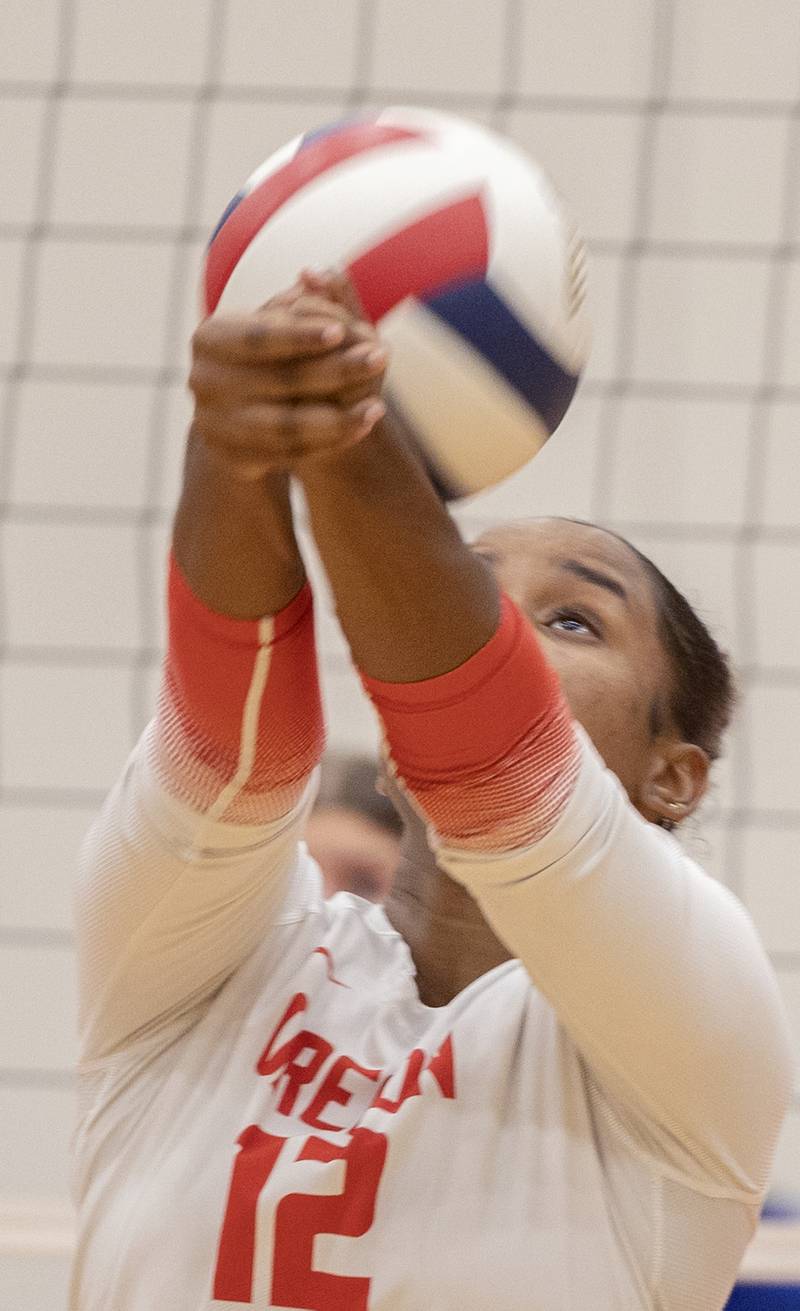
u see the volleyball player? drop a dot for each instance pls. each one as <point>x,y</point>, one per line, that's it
<point>549,1074</point>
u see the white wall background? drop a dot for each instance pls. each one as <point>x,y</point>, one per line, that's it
<point>125,127</point>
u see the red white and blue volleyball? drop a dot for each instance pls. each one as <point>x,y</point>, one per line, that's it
<point>462,255</point>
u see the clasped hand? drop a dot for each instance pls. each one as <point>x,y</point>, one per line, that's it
<point>297,380</point>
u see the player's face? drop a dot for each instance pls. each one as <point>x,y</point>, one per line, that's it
<point>594,610</point>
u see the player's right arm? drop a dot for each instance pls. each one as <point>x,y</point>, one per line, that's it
<point>195,852</point>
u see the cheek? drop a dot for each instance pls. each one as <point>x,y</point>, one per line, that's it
<point>604,700</point>
<point>586,681</point>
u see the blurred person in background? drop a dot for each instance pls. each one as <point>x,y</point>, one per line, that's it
<point>354,831</point>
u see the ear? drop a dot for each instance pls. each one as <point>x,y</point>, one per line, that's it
<point>676,781</point>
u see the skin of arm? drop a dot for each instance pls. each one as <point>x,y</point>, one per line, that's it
<point>234,539</point>
<point>292,389</point>
<point>412,599</point>
<point>401,554</point>
<point>233,534</point>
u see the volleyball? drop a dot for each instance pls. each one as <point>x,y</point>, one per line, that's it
<point>462,255</point>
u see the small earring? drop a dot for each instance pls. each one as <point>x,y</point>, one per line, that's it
<point>670,824</point>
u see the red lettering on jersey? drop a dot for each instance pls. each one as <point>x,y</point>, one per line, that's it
<point>441,1066</point>
<point>285,1058</point>
<point>300,1218</point>
<point>410,1087</point>
<point>330,1090</point>
<point>268,1064</point>
<point>296,1074</point>
<point>258,1154</point>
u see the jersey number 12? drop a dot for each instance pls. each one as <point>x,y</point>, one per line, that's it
<point>298,1219</point>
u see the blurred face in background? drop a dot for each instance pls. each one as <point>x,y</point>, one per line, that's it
<point>355,853</point>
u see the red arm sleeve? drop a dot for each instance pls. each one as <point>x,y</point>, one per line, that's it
<point>240,724</point>
<point>488,751</point>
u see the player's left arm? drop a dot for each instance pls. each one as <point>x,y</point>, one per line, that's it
<point>656,972</point>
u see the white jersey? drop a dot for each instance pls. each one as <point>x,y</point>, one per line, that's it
<point>270,1117</point>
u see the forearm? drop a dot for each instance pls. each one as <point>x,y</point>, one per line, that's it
<point>234,539</point>
<point>240,720</point>
<point>464,698</point>
<point>413,600</point>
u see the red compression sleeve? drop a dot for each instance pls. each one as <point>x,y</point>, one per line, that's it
<point>488,750</point>
<point>240,724</point>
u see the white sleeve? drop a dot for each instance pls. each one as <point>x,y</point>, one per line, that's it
<point>656,973</point>
<point>162,920</point>
<point>196,849</point>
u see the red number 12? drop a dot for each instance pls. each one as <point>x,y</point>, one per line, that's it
<point>298,1219</point>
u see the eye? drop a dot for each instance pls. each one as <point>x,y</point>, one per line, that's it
<point>573,621</point>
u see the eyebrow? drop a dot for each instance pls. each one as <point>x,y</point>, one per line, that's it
<point>594,576</point>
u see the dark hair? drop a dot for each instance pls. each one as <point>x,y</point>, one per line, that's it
<point>703,694</point>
